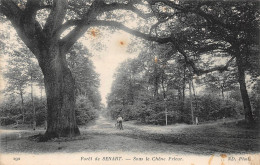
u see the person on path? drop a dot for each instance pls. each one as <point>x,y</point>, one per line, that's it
<point>120,122</point>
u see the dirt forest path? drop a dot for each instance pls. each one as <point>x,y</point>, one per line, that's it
<point>102,136</point>
<point>105,126</point>
<point>106,137</point>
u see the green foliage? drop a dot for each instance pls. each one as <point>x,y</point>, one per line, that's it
<point>11,111</point>
<point>85,111</point>
<point>7,121</point>
<point>22,70</point>
<point>255,99</point>
<point>152,111</point>
<point>40,109</point>
<point>86,79</point>
<point>88,99</point>
<point>133,93</point>
<point>213,108</point>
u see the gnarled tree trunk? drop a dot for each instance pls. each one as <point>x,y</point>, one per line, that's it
<point>60,92</point>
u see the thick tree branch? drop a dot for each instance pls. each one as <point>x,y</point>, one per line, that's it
<point>211,19</point>
<point>56,17</point>
<point>10,10</point>
<point>154,27</point>
<point>65,26</point>
<point>218,68</point>
<point>68,41</point>
<point>168,3</point>
<point>199,71</point>
<point>129,6</point>
<point>28,19</point>
<point>81,28</point>
<point>32,6</point>
<point>44,7</point>
<point>131,31</point>
<point>196,10</point>
<point>89,19</point>
<point>210,47</point>
<point>23,22</point>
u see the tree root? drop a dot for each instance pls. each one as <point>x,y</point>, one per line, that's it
<point>50,136</point>
<point>40,138</point>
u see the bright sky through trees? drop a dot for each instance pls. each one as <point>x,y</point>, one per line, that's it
<point>113,52</point>
<point>108,50</point>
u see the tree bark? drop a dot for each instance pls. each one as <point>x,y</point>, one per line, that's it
<point>183,93</point>
<point>22,105</point>
<point>184,84</point>
<point>60,93</point>
<point>163,87</point>
<point>222,92</point>
<point>33,106</point>
<point>179,94</point>
<point>191,105</point>
<point>194,94</point>
<point>156,81</point>
<point>244,94</point>
<point>41,93</point>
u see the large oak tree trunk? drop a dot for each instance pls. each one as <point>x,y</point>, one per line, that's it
<point>243,91</point>
<point>60,92</point>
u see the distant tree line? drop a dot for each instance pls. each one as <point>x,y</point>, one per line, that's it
<point>148,87</point>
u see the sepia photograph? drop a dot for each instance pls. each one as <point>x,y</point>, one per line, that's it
<point>129,82</point>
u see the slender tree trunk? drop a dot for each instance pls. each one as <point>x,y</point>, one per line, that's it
<point>22,105</point>
<point>163,87</point>
<point>33,106</point>
<point>41,93</point>
<point>184,84</point>
<point>179,86</point>
<point>243,90</point>
<point>193,89</point>
<point>179,93</point>
<point>194,94</point>
<point>130,96</point>
<point>191,105</point>
<point>222,93</point>
<point>156,79</point>
<point>60,93</point>
<point>165,100</point>
<point>183,93</point>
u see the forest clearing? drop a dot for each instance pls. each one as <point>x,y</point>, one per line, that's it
<point>204,139</point>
